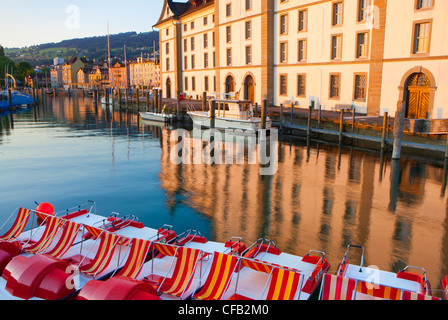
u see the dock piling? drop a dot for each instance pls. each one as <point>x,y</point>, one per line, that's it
<point>264,114</point>
<point>204,101</point>
<point>385,124</point>
<point>308,127</point>
<point>212,114</point>
<point>341,125</point>
<point>398,131</point>
<point>281,116</point>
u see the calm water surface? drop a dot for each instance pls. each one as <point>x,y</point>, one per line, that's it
<point>322,198</point>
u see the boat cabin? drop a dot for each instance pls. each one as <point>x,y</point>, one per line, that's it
<point>233,109</point>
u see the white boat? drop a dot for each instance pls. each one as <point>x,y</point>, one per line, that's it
<point>154,116</point>
<point>230,114</point>
<point>103,101</point>
<point>357,282</point>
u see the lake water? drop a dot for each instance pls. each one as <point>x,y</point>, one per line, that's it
<point>321,198</point>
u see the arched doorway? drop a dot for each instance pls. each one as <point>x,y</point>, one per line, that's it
<point>168,88</point>
<point>418,96</point>
<point>230,84</point>
<point>417,90</point>
<point>249,89</point>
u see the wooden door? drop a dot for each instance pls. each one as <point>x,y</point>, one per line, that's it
<point>418,97</point>
<point>249,89</point>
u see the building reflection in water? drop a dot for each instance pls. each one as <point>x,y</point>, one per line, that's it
<point>316,201</point>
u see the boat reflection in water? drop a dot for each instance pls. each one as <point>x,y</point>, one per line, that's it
<point>320,196</point>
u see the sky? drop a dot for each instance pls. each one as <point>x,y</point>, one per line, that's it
<point>30,22</point>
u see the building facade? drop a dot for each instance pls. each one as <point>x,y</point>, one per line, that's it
<point>372,55</point>
<point>120,75</point>
<point>70,70</point>
<point>144,73</point>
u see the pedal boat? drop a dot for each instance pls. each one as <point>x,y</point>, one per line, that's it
<point>266,273</point>
<point>173,272</point>
<point>356,282</point>
<point>81,253</point>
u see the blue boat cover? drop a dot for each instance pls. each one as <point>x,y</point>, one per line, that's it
<point>17,98</point>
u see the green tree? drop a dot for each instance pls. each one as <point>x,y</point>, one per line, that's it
<point>22,69</point>
<point>2,51</point>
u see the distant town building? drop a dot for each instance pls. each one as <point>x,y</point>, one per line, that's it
<point>83,77</point>
<point>56,76</point>
<point>99,77</point>
<point>38,80</point>
<point>371,55</point>
<point>120,75</point>
<point>70,69</point>
<point>58,61</point>
<point>144,73</point>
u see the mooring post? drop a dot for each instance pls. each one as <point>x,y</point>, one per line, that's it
<point>281,116</point>
<point>353,120</point>
<point>446,152</point>
<point>341,125</point>
<point>319,117</point>
<point>398,131</point>
<point>264,114</point>
<point>178,105</point>
<point>204,101</point>
<point>137,96</point>
<point>383,139</point>
<point>212,114</point>
<point>308,127</point>
<point>292,112</point>
<point>106,93</point>
<point>10,99</point>
<point>147,100</point>
<point>160,100</point>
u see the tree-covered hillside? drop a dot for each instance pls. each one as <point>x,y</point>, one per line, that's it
<point>91,48</point>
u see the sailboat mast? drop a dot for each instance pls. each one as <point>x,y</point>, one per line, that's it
<point>126,67</point>
<point>108,53</point>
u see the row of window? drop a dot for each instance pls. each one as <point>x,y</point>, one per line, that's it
<point>337,18</point>
<point>362,48</point>
<point>359,86</point>
<point>193,84</point>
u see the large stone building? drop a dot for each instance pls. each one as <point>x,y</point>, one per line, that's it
<point>369,54</point>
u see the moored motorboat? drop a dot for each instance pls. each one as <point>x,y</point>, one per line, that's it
<point>230,114</point>
<point>357,282</point>
<point>159,117</point>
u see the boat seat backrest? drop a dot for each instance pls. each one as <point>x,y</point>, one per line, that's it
<point>379,291</point>
<point>337,288</point>
<point>18,226</point>
<point>219,277</point>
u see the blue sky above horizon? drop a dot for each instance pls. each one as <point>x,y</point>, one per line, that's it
<point>24,23</point>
